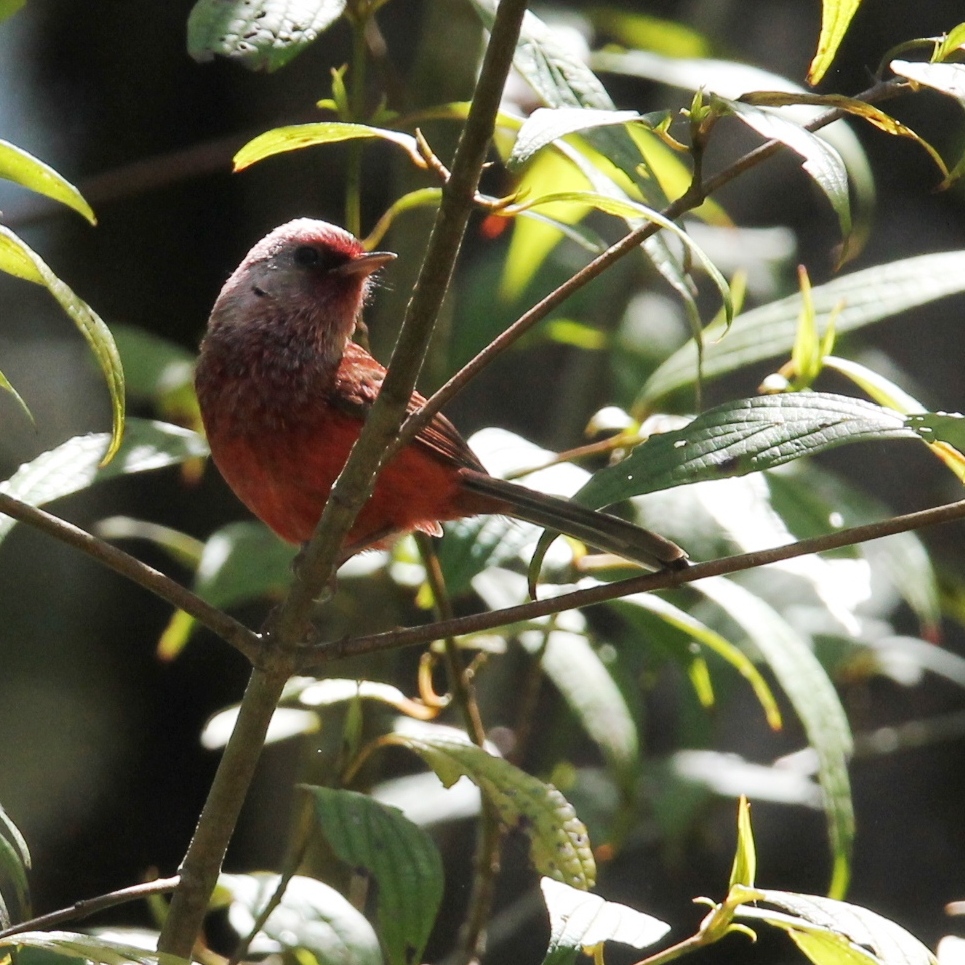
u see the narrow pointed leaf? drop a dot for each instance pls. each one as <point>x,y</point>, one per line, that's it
<point>399,855</point>
<point>815,701</point>
<point>559,846</point>
<point>75,947</point>
<point>260,34</point>
<point>23,168</point>
<point>865,296</point>
<point>7,386</point>
<point>78,463</point>
<point>744,436</point>
<point>744,868</point>
<point>946,78</point>
<point>835,18</point>
<point>297,136</point>
<point>580,922</point>
<point>18,259</point>
<point>821,161</point>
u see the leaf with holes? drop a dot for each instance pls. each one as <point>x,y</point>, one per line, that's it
<point>16,258</point>
<point>744,436</point>
<point>398,854</point>
<point>260,34</point>
<point>559,846</point>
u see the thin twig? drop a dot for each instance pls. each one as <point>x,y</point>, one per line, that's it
<point>691,199</point>
<point>226,627</point>
<point>89,906</point>
<point>662,580</point>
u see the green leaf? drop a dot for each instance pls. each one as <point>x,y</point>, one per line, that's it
<point>159,371</point>
<point>311,916</point>
<point>940,427</point>
<point>581,922</point>
<point>744,868</point>
<point>689,629</point>
<point>8,387</point>
<point>592,695</point>
<point>643,31</point>
<point>9,7</point>
<point>399,855</point>
<point>297,136</point>
<point>946,78</point>
<point>953,41</point>
<point>559,846</point>
<point>871,935</point>
<point>546,125</point>
<point>18,259</point>
<point>72,946</point>
<point>23,168</point>
<point>821,161</point>
<point>14,863</point>
<point>835,18</point>
<point>79,462</point>
<point>260,34</point>
<point>741,437</point>
<point>866,296</point>
<point>815,702</point>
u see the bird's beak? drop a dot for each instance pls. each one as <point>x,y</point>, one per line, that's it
<point>366,263</point>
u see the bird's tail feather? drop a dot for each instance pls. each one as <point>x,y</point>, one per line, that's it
<point>599,529</point>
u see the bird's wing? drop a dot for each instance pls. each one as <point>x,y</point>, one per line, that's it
<point>357,383</point>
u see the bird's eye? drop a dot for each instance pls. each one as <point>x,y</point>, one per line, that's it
<point>307,256</point>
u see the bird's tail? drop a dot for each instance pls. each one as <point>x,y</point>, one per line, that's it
<point>602,530</point>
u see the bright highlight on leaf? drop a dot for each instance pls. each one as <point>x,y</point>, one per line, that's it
<point>835,18</point>
<point>23,168</point>
<point>744,868</point>
<point>297,136</point>
<point>260,34</point>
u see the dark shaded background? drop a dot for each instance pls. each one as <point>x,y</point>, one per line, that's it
<point>99,759</point>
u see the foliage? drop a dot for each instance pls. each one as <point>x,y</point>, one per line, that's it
<point>574,173</point>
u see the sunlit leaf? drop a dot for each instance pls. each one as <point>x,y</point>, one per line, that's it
<point>78,463</point>
<point>75,947</point>
<point>821,161</point>
<point>815,701</point>
<point>297,136</point>
<point>744,869</point>
<point>16,258</point>
<point>546,125</point>
<point>835,18</point>
<point>946,78</point>
<point>377,840</point>
<point>866,296</point>
<point>23,168</point>
<point>260,34</point>
<point>743,436</point>
<point>953,41</point>
<point>635,29</point>
<point>311,916</point>
<point>872,936</point>
<point>580,922</point>
<point>559,846</point>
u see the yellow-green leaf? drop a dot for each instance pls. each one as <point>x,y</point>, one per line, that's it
<point>835,18</point>
<point>23,168</point>
<point>745,857</point>
<point>16,258</point>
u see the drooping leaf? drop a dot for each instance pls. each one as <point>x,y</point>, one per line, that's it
<point>23,168</point>
<point>297,136</point>
<point>559,846</point>
<point>815,701</point>
<point>835,18</point>
<point>16,258</point>
<point>311,917</point>
<point>260,34</point>
<point>398,854</point>
<point>78,463</point>
<point>821,161</point>
<point>869,935</point>
<point>744,436</point>
<point>865,296</point>
<point>581,922</point>
<point>546,125</point>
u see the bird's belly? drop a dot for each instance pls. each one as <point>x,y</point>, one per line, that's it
<point>284,476</point>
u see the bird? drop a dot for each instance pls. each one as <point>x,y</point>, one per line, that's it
<point>284,391</point>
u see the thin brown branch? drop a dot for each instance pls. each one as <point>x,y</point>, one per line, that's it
<point>662,580</point>
<point>89,906</point>
<point>695,196</point>
<point>226,627</point>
